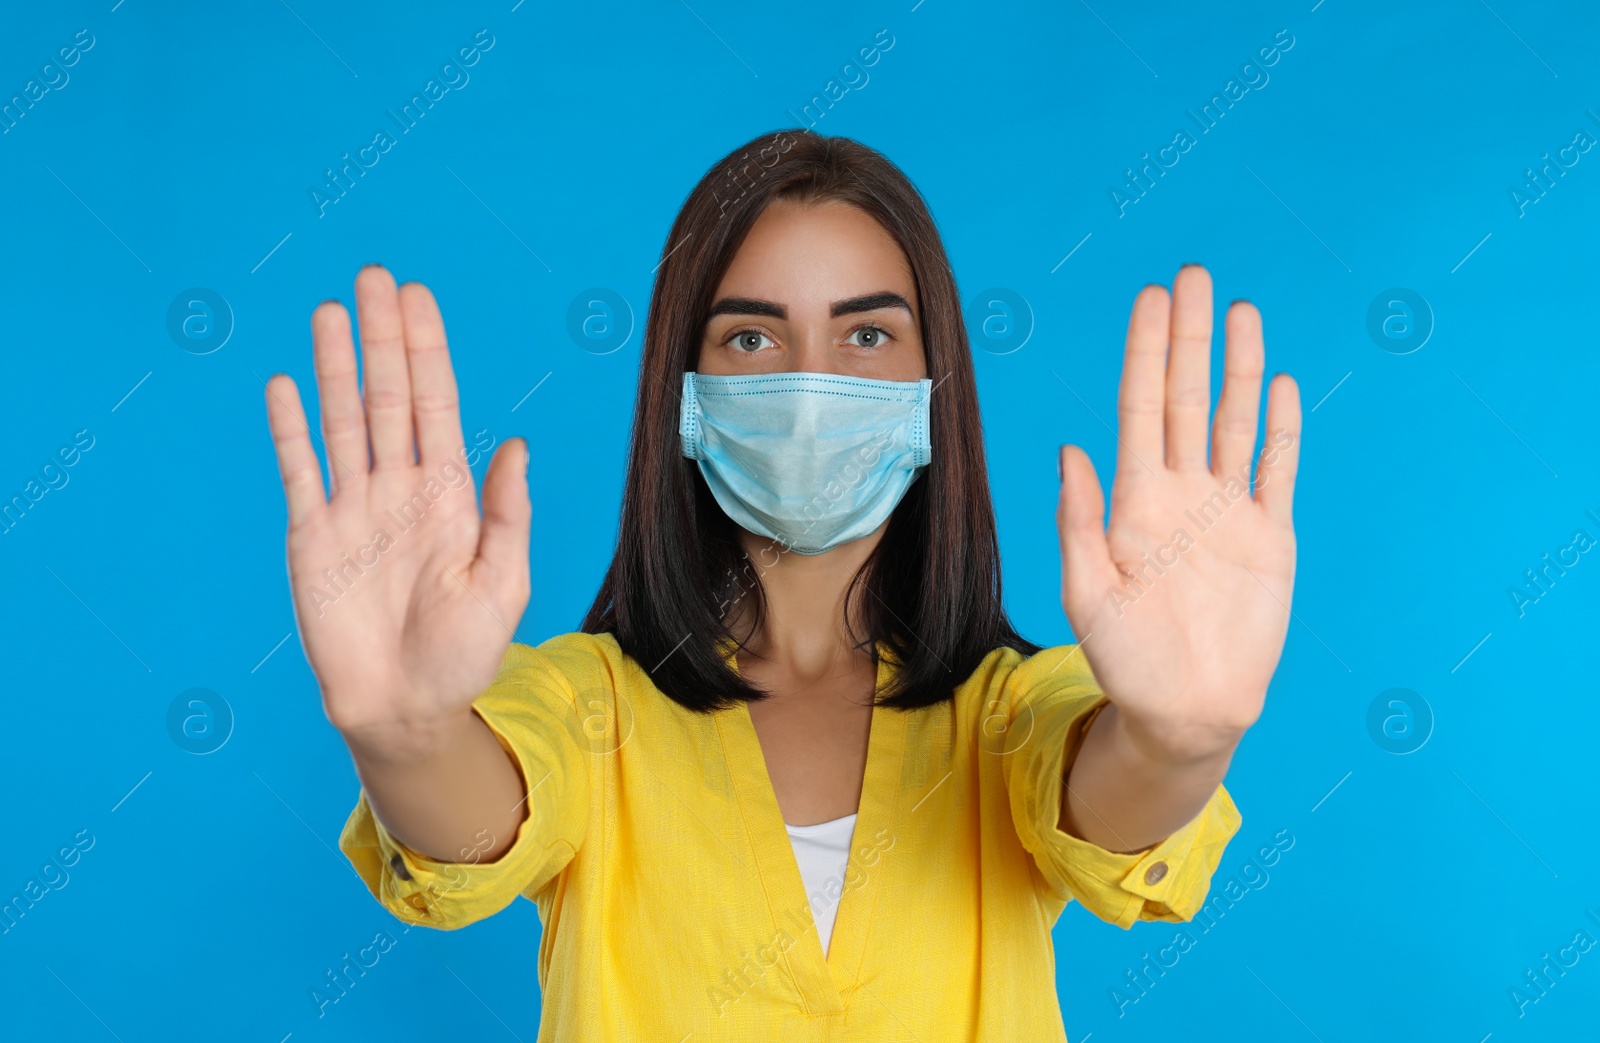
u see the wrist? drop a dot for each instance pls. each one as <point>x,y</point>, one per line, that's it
<point>412,740</point>
<point>1184,746</point>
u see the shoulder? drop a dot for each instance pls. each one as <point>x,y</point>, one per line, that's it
<point>579,664</point>
<point>575,647</point>
<point>1007,675</point>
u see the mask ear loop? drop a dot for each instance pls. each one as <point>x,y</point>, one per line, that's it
<point>689,418</point>
<point>921,439</point>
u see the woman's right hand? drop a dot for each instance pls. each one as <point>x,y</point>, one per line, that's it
<point>405,597</point>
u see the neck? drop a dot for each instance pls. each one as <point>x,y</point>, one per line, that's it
<point>803,625</point>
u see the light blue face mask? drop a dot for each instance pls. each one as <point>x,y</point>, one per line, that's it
<point>811,460</point>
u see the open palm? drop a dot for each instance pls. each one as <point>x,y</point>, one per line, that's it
<point>1182,604</point>
<point>406,599</point>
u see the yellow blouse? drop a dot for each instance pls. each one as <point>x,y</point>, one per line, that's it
<point>673,907</point>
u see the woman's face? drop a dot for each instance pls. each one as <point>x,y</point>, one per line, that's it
<point>816,288</point>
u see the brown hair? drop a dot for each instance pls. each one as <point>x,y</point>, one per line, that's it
<point>933,581</point>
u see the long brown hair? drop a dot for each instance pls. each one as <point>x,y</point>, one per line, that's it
<point>932,583</point>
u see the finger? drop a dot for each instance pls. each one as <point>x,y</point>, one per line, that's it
<point>297,460</point>
<point>344,422</point>
<point>1142,394</point>
<point>503,539</point>
<point>435,403</point>
<point>1189,370</point>
<point>388,384</point>
<point>1280,456</point>
<point>1234,430</point>
<point>1086,566</point>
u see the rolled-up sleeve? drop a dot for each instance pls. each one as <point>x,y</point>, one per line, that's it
<point>1052,698</point>
<point>531,708</point>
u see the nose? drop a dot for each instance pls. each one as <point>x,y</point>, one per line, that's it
<point>811,348</point>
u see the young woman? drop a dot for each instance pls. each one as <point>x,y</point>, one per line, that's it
<point>797,777</point>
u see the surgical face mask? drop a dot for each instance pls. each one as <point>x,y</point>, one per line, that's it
<point>811,460</point>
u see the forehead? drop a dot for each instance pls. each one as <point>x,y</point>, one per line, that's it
<point>820,251</point>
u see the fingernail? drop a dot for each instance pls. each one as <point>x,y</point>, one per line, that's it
<point>332,300</point>
<point>372,265</point>
<point>1059,451</point>
<point>1193,264</point>
<point>1240,300</point>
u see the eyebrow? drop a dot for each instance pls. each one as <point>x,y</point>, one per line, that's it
<point>850,305</point>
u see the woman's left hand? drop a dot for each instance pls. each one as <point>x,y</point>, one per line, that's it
<point>1182,604</point>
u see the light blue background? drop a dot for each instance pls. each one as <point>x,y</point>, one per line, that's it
<point>1381,152</point>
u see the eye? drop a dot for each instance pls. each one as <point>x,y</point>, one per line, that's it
<point>871,336</point>
<point>748,341</point>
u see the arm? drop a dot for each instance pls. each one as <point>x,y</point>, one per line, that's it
<point>1052,703</point>
<point>407,596</point>
<point>458,840</point>
<point>1125,793</point>
<point>1183,601</point>
<point>451,793</point>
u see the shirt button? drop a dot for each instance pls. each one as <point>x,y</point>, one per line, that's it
<point>1154,874</point>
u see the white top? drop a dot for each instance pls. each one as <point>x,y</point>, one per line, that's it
<point>823,851</point>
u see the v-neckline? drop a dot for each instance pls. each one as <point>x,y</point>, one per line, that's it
<point>822,980</point>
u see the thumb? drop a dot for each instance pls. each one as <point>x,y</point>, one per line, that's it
<point>502,562</point>
<point>1086,567</point>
